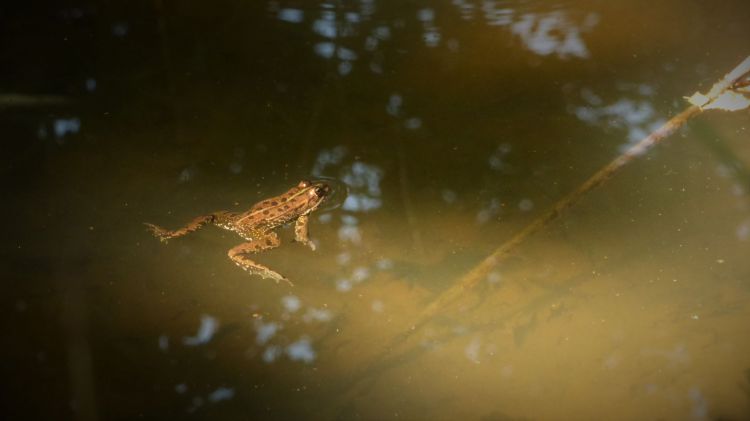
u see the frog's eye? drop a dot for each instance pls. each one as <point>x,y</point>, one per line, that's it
<point>320,191</point>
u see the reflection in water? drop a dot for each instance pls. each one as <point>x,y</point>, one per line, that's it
<point>430,33</point>
<point>291,15</point>
<point>206,331</point>
<point>343,285</point>
<point>221,394</point>
<point>553,33</point>
<point>271,353</point>
<point>743,231</point>
<point>218,395</point>
<point>364,195</point>
<point>377,306</point>
<point>349,231</point>
<point>187,174</point>
<point>90,84</point>
<point>317,315</point>
<point>64,126</point>
<point>637,116</point>
<point>493,13</point>
<point>265,331</point>
<point>358,275</point>
<point>525,205</point>
<point>163,343</point>
<point>490,211</point>
<point>301,350</point>
<point>441,118</point>
<point>325,49</point>
<point>472,350</point>
<point>364,182</point>
<point>330,25</point>
<point>542,33</point>
<point>61,128</point>
<point>497,159</point>
<point>275,345</point>
<point>394,105</point>
<point>328,158</point>
<point>325,26</point>
<point>291,303</point>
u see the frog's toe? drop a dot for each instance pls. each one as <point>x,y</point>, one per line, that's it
<point>309,244</point>
<point>158,232</point>
<point>271,274</point>
<point>285,280</point>
<point>277,277</point>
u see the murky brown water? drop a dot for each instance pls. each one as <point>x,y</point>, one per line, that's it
<point>454,124</point>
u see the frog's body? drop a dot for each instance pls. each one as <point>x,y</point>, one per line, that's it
<point>257,224</point>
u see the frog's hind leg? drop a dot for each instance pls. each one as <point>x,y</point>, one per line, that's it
<point>164,234</point>
<point>239,256</point>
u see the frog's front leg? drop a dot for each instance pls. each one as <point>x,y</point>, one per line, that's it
<point>300,232</point>
<point>239,256</point>
<point>164,234</point>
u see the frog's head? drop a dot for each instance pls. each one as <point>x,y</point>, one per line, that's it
<point>315,193</point>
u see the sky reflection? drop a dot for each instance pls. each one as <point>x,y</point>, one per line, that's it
<point>556,32</point>
<point>206,331</point>
<point>452,124</point>
<point>633,112</point>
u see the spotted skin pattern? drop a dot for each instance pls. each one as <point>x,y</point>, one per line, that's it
<point>257,225</point>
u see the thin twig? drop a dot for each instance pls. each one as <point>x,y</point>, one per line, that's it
<point>478,273</point>
<point>388,354</point>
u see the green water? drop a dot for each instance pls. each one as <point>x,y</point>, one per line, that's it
<point>454,124</point>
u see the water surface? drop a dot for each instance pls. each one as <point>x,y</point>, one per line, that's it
<point>454,124</point>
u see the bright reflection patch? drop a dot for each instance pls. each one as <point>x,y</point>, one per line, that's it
<point>317,315</point>
<point>265,331</point>
<point>301,350</point>
<point>325,49</point>
<point>326,26</point>
<point>206,331</point>
<point>364,180</point>
<point>271,353</point>
<point>64,126</point>
<point>553,33</point>
<point>221,394</point>
<point>291,15</point>
<point>633,112</point>
<point>291,303</point>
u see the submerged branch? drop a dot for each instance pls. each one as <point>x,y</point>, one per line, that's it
<point>733,83</point>
<point>728,84</point>
<point>723,87</point>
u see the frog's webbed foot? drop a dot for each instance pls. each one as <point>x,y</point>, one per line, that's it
<point>164,234</point>
<point>300,232</point>
<point>239,257</point>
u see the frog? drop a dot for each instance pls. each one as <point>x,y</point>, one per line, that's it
<point>257,225</point>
